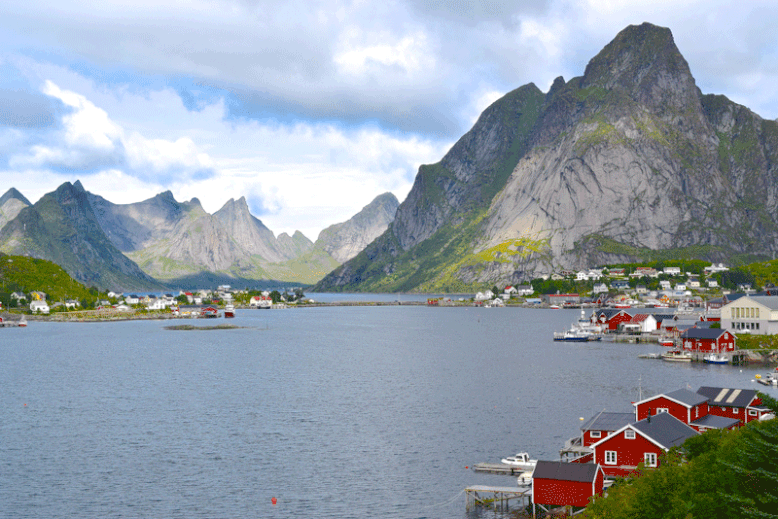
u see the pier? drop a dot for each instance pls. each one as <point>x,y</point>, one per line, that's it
<point>498,498</point>
<point>499,468</point>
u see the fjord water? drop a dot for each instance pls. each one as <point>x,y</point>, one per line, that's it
<point>336,412</point>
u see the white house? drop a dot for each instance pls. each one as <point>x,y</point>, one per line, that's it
<point>581,276</point>
<point>524,290</point>
<point>693,283</point>
<point>39,307</point>
<point>757,314</point>
<point>680,287</point>
<point>715,268</point>
<point>665,285</point>
<point>672,271</point>
<point>600,288</point>
<point>712,283</point>
<point>131,299</point>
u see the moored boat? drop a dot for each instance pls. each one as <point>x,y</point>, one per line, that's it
<point>714,358</point>
<point>770,379</point>
<point>667,342</point>
<point>677,356</point>
<point>229,311</point>
<point>521,460</point>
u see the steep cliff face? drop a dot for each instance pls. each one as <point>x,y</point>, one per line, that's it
<point>627,160</point>
<point>62,227</point>
<point>250,233</point>
<point>345,240</point>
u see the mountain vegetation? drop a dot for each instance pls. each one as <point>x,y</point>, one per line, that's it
<point>732,474</point>
<point>24,275</point>
<point>627,163</point>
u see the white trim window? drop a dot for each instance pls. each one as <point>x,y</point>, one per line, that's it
<point>752,412</point>
<point>649,458</point>
<point>595,434</point>
<point>629,434</point>
<point>610,457</point>
<point>662,410</point>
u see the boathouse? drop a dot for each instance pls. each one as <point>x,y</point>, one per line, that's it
<point>684,404</point>
<point>642,442</point>
<point>566,484</point>
<point>741,404</point>
<point>707,340</point>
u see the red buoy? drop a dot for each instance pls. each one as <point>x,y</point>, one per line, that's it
<point>274,501</point>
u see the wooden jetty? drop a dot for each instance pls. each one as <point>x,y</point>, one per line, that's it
<point>499,468</point>
<point>496,497</point>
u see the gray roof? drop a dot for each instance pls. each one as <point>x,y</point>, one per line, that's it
<point>665,429</point>
<point>702,333</point>
<point>725,397</point>
<point>562,471</point>
<point>716,422</point>
<point>608,421</point>
<point>770,302</point>
<point>687,397</point>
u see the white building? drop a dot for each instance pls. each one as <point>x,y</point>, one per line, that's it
<point>39,307</point>
<point>751,314</point>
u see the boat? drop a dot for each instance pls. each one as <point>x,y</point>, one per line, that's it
<point>677,356</point>
<point>770,379</point>
<point>521,460</point>
<point>555,307</point>
<point>576,335</point>
<point>667,342</point>
<point>714,358</point>
<point>229,311</point>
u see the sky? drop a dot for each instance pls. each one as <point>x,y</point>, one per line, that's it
<point>310,109</point>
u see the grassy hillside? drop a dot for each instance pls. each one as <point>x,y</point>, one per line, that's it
<point>24,274</point>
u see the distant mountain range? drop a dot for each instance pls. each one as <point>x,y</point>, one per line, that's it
<point>161,242</point>
<point>628,162</point>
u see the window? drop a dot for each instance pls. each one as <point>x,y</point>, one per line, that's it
<point>649,458</point>
<point>629,434</point>
<point>610,457</point>
<point>662,410</point>
<point>595,434</point>
<point>734,410</point>
<point>752,412</point>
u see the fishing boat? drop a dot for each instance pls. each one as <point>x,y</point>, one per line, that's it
<point>677,356</point>
<point>769,379</point>
<point>229,311</point>
<point>667,342</point>
<point>714,358</point>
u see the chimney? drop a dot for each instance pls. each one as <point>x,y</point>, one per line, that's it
<point>649,415</point>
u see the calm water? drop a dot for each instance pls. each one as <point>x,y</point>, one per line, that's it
<point>336,412</point>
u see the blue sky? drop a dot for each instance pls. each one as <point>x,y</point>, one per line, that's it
<point>309,109</point>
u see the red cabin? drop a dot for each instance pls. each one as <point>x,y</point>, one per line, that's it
<point>642,442</point>
<point>741,404</point>
<point>708,340</point>
<point>566,484</point>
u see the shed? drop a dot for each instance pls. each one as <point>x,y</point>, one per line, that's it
<point>566,484</point>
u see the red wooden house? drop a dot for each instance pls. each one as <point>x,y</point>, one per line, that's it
<point>612,317</point>
<point>642,442</point>
<point>603,424</point>
<point>686,406</point>
<point>708,340</point>
<point>741,404</point>
<point>566,484</point>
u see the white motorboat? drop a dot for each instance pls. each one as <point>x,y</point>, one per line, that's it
<point>769,379</point>
<point>520,460</point>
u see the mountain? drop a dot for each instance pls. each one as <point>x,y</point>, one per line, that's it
<point>62,227</point>
<point>345,240</point>
<point>11,203</point>
<point>251,234</point>
<point>628,162</point>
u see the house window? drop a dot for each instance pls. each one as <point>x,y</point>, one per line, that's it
<point>650,459</point>
<point>752,412</point>
<point>595,434</point>
<point>662,410</point>
<point>629,434</point>
<point>610,457</point>
<point>734,410</point>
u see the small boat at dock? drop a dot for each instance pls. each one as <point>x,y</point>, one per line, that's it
<point>714,358</point>
<point>229,311</point>
<point>677,356</point>
<point>521,460</point>
<point>769,379</point>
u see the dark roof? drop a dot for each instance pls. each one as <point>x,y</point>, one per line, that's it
<point>608,421</point>
<point>735,296</point>
<point>702,333</point>
<point>687,397</point>
<point>665,429</point>
<point>561,471</point>
<point>725,397</point>
<point>716,422</point>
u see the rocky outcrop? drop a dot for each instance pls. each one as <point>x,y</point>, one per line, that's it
<point>628,159</point>
<point>345,240</point>
<point>11,203</point>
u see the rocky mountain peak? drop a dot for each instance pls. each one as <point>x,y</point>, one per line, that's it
<point>643,62</point>
<point>13,194</point>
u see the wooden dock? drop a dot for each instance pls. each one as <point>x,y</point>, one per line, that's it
<point>499,468</point>
<point>498,498</point>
